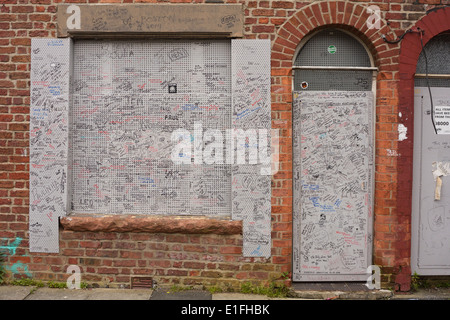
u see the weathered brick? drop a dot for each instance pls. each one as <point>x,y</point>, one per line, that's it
<point>181,256</point>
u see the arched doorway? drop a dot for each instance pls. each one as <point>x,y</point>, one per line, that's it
<point>431,160</point>
<point>333,139</point>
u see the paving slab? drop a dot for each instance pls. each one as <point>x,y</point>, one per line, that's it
<point>90,294</point>
<point>14,292</point>
<point>120,294</point>
<point>424,294</point>
<point>238,296</point>
<point>58,294</point>
<point>166,294</point>
<point>343,295</point>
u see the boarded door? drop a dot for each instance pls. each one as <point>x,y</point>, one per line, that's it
<point>431,203</point>
<point>431,184</point>
<point>332,185</point>
<point>333,158</point>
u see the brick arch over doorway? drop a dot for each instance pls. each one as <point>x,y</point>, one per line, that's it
<point>389,237</point>
<point>433,23</point>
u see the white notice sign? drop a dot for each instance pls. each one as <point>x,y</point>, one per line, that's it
<point>442,119</point>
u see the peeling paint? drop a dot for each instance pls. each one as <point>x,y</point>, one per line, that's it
<point>402,132</point>
<point>392,153</point>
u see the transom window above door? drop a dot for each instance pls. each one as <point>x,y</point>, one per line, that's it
<point>332,60</point>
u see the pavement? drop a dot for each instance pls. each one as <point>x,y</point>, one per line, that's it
<point>116,302</point>
<point>9,292</point>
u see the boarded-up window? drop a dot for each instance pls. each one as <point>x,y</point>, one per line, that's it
<point>129,98</point>
<point>140,127</point>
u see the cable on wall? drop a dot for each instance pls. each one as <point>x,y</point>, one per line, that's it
<point>400,38</point>
<point>427,80</point>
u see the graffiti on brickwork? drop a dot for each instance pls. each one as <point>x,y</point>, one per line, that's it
<point>9,248</point>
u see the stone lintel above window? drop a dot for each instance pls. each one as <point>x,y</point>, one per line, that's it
<point>150,20</point>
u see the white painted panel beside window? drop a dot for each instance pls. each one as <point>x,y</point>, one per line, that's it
<point>149,130</point>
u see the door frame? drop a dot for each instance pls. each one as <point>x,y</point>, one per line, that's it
<point>295,238</point>
<point>418,217</point>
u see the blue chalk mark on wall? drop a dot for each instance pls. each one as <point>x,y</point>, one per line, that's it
<point>338,203</point>
<point>39,113</point>
<point>246,112</point>
<point>12,247</point>
<point>18,268</point>
<point>325,207</point>
<point>55,90</point>
<point>257,252</point>
<point>310,186</point>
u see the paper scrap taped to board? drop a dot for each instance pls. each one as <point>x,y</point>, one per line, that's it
<point>437,191</point>
<point>439,169</point>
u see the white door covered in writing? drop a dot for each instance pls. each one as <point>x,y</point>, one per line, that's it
<point>332,185</point>
<point>333,126</point>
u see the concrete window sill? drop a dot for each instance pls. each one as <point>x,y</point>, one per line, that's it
<point>150,224</point>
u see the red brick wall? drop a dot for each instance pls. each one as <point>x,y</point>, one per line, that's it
<point>167,258</point>
<point>211,258</point>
